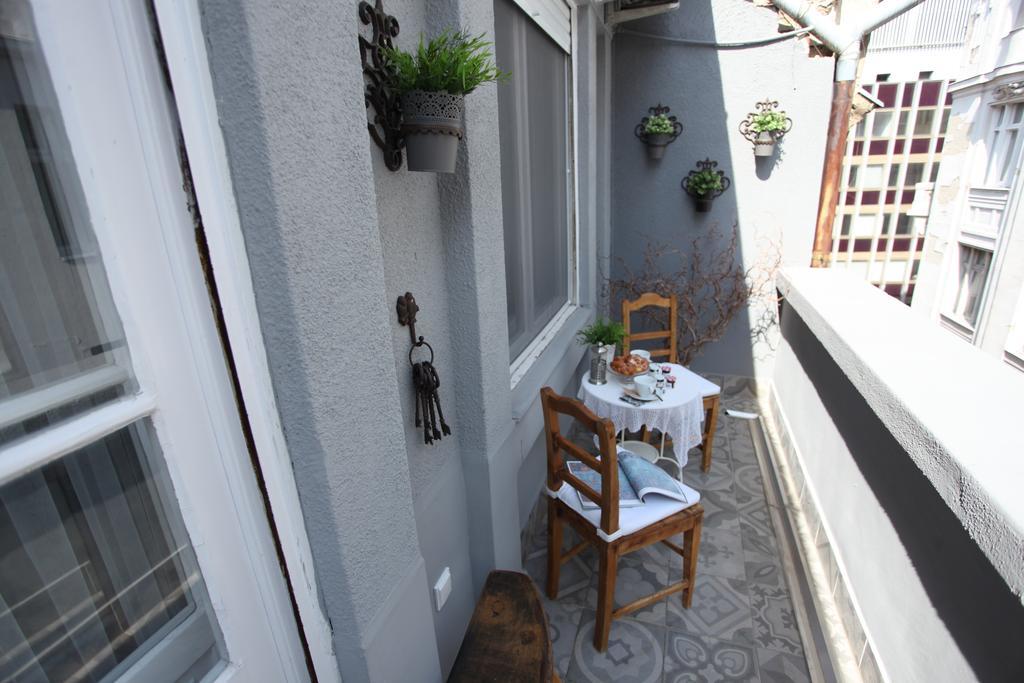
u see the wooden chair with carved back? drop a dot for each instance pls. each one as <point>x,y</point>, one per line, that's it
<point>670,355</point>
<point>613,532</point>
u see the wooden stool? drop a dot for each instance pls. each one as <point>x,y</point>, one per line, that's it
<point>507,638</point>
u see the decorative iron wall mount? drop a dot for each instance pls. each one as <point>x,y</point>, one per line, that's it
<point>764,139</point>
<point>385,127</point>
<point>665,130</point>
<point>705,183</point>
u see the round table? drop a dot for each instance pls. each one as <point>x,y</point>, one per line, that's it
<point>679,413</point>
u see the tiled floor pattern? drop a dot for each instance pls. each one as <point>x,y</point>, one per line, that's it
<point>741,626</point>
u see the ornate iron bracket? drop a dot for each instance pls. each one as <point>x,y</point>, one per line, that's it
<point>385,128</point>
<point>407,310</point>
<point>702,166</point>
<point>660,110</point>
<point>763,107</point>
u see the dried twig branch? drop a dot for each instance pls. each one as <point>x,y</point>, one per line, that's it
<point>711,287</point>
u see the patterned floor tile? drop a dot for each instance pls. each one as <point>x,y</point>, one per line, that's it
<point>638,575</point>
<point>635,653</point>
<point>721,609</point>
<point>574,579</point>
<point>720,553</point>
<point>763,568</point>
<point>563,623</point>
<point>700,659</point>
<point>756,519</point>
<point>720,511</point>
<point>718,478</point>
<point>774,622</point>
<point>747,477</point>
<point>779,667</point>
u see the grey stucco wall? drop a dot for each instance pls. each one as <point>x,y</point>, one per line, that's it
<point>711,91</point>
<point>333,239</point>
<point>288,85</point>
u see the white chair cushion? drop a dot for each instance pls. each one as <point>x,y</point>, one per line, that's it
<point>632,519</point>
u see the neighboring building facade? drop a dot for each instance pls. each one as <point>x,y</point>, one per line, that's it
<point>972,270</point>
<point>908,66</point>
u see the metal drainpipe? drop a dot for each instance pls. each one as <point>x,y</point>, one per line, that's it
<point>847,42</point>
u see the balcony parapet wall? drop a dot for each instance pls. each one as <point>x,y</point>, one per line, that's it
<point>957,412</point>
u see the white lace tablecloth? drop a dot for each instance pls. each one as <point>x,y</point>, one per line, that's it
<point>680,413</point>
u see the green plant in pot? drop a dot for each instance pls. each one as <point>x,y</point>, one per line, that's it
<point>658,130</point>
<point>432,82</point>
<point>765,127</point>
<point>602,336</point>
<point>705,183</point>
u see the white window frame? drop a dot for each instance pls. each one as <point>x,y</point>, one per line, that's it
<point>551,16</point>
<point>187,62</point>
<point>256,598</point>
<point>953,316</point>
<point>999,153</point>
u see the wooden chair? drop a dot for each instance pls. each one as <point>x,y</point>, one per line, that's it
<point>670,354</point>
<point>613,532</point>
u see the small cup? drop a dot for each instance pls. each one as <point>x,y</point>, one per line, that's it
<point>644,386</point>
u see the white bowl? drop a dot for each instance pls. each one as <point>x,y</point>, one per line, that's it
<point>646,355</point>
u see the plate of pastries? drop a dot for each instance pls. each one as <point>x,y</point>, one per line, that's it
<point>629,365</point>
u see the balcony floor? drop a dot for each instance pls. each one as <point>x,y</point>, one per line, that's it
<point>742,625</point>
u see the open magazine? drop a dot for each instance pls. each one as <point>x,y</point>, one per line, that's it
<point>638,478</point>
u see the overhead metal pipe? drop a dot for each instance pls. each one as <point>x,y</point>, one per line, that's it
<point>846,40</point>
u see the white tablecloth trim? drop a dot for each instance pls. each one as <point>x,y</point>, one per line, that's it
<point>682,423</point>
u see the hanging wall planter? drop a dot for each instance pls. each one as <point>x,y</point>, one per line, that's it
<point>417,97</point>
<point>432,128</point>
<point>658,131</point>
<point>765,127</point>
<point>704,184</point>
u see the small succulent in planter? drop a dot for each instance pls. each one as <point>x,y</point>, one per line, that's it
<point>658,130</point>
<point>433,82</point>
<point>705,183</point>
<point>765,127</point>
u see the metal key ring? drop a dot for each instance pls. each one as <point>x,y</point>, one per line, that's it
<point>421,342</point>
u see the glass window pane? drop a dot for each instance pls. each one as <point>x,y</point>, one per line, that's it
<point>872,175</point>
<point>535,165</point>
<point>548,102</point>
<point>62,347</point>
<point>894,174</point>
<point>901,127</point>
<point>923,122</point>
<point>882,124</point>
<point>915,174</point>
<point>96,570</point>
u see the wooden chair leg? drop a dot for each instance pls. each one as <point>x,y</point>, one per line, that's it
<point>605,596</point>
<point>691,546</point>
<point>554,548</point>
<point>711,404</point>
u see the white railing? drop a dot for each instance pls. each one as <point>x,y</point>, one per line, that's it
<point>934,24</point>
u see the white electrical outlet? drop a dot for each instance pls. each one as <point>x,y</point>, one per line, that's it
<point>442,589</point>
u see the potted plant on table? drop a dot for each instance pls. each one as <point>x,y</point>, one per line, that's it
<point>705,183</point>
<point>658,130</point>
<point>602,336</point>
<point>765,127</point>
<point>433,82</point>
